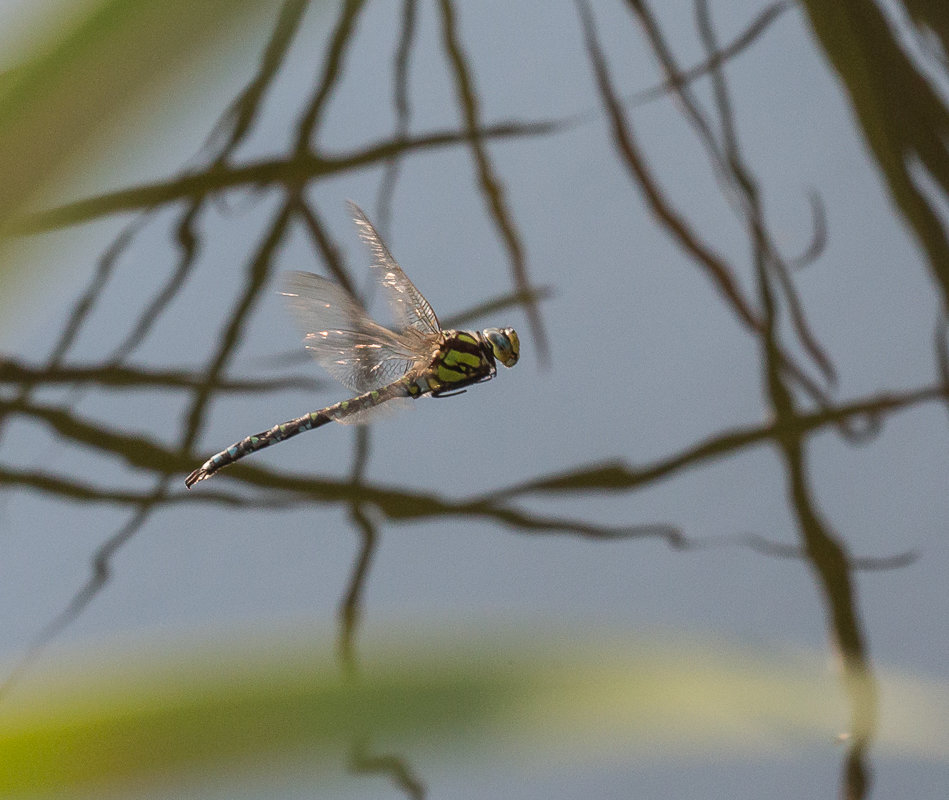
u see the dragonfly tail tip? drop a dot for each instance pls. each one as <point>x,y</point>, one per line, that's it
<point>194,477</point>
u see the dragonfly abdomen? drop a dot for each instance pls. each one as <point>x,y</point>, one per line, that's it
<point>315,419</point>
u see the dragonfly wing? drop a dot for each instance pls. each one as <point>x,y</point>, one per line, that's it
<point>411,309</point>
<point>345,340</point>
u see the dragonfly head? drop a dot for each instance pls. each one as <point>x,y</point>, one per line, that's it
<point>504,344</point>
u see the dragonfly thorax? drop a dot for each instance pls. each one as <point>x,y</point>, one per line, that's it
<point>466,357</point>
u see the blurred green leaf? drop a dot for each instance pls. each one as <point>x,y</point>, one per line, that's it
<point>114,721</point>
<point>67,91</point>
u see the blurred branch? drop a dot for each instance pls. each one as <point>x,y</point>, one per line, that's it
<point>931,21</point>
<point>395,504</point>
<point>100,574</point>
<point>904,120</point>
<point>490,184</point>
<point>718,271</point>
<point>340,41</point>
<point>406,506</point>
<point>394,767</point>
<point>746,184</point>
<point>140,452</point>
<point>81,310</point>
<point>826,552</point>
<point>400,99</point>
<point>351,611</point>
<point>136,451</point>
<point>829,561</point>
<point>15,372</point>
<point>259,268</point>
<point>675,81</point>
<point>231,130</point>
<point>238,119</point>
<point>818,241</point>
<point>864,564</point>
<point>738,184</point>
<point>499,303</point>
<point>284,172</point>
<point>619,476</point>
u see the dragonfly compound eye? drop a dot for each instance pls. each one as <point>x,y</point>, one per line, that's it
<point>504,344</point>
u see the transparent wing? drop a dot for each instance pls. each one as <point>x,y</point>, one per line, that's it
<point>344,339</point>
<point>411,309</point>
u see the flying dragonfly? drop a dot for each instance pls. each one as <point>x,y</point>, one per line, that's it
<point>384,367</point>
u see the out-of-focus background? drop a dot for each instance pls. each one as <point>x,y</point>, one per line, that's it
<point>693,545</point>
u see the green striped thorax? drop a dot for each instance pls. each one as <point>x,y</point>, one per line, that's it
<point>467,357</point>
<point>504,343</point>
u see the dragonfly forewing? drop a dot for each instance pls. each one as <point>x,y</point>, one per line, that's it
<point>409,306</point>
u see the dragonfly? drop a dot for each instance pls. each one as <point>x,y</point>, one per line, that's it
<point>385,367</point>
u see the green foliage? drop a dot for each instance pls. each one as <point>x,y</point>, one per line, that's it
<point>256,707</point>
<point>69,90</point>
